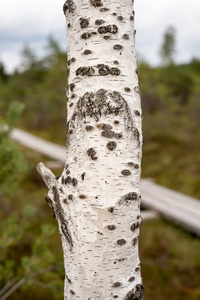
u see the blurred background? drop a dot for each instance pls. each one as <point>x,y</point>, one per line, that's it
<point>33,68</point>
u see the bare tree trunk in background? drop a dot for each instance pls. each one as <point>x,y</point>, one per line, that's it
<point>96,200</point>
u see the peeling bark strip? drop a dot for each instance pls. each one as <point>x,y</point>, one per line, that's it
<point>60,216</point>
<point>96,200</point>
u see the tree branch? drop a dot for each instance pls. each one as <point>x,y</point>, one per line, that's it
<point>47,175</point>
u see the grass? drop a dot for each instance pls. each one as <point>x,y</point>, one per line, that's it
<point>170,262</point>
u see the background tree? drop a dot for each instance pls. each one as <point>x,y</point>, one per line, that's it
<point>168,47</point>
<point>96,200</point>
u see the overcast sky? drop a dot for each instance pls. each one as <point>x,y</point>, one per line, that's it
<point>30,22</point>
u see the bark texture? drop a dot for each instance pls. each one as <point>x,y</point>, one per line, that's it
<point>96,200</point>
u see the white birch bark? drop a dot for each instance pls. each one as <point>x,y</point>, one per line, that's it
<point>96,200</point>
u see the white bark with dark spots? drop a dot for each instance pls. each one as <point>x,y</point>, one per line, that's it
<point>96,200</point>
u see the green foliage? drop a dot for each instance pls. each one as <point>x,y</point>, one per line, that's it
<point>12,162</point>
<point>171,125</point>
<point>13,114</point>
<point>26,258</point>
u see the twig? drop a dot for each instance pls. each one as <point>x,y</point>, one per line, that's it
<point>22,281</point>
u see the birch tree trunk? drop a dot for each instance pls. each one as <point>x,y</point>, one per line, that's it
<point>96,200</point>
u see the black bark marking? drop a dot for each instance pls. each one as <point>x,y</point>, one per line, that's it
<point>72,292</point>
<point>91,152</point>
<point>102,103</point>
<point>120,18</point>
<point>104,9</point>
<point>135,241</point>
<point>135,294</point>
<point>86,35</point>
<point>72,60</point>
<point>103,70</point>
<point>68,71</point>
<point>116,284</point>
<point>118,136</point>
<point>116,122</point>
<point>115,71</point>
<point>99,22</point>
<point>111,227</point>
<point>108,134</point>
<point>83,176</point>
<point>108,29</point>
<point>87,52</point>
<point>106,127</point>
<point>94,157</point>
<point>65,201</point>
<point>69,6</point>
<point>121,242</point>
<point>111,209</point>
<point>89,128</point>
<point>135,226</point>
<point>115,296</point>
<point>72,86</point>
<point>133,165</point>
<point>85,71</point>
<point>84,23</point>
<point>106,37</point>
<point>137,269</point>
<point>136,135</point>
<point>131,279</point>
<point>117,47</point>
<point>126,172</point>
<point>96,3</point>
<point>125,36</point>
<point>129,199</point>
<point>106,70</point>
<point>60,215</point>
<point>70,197</point>
<point>68,180</point>
<point>111,145</point>
<point>116,62</point>
<point>82,197</point>
<point>137,113</point>
<point>74,182</point>
<point>101,126</point>
<point>127,89</point>
<point>68,279</point>
<point>137,89</point>
<point>132,18</point>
